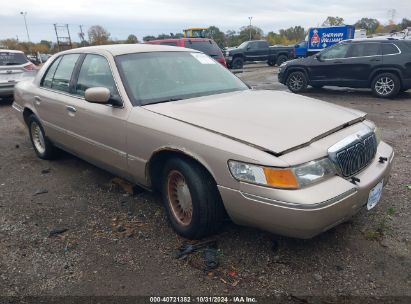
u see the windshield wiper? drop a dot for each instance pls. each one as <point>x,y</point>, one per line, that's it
<point>164,100</point>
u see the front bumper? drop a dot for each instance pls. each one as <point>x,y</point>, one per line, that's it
<point>281,75</point>
<point>306,212</point>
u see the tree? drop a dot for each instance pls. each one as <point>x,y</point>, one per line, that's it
<point>132,39</point>
<point>98,35</point>
<point>217,35</point>
<point>368,24</point>
<point>293,34</point>
<point>256,33</point>
<point>333,21</point>
<point>405,23</point>
<point>148,38</point>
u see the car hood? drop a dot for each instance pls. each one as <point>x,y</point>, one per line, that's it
<point>273,121</point>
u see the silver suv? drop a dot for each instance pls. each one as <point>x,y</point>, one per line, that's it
<point>14,67</point>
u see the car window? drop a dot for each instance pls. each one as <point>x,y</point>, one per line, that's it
<point>171,43</point>
<point>9,58</point>
<point>389,49</point>
<point>62,76</point>
<point>207,47</point>
<point>48,78</point>
<point>364,49</point>
<point>335,52</point>
<point>262,45</point>
<point>253,45</point>
<point>95,72</point>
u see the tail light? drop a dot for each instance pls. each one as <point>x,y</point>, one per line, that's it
<point>29,67</point>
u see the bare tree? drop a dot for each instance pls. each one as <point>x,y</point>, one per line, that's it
<point>98,35</point>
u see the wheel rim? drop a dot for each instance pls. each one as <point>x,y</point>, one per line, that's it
<point>296,82</point>
<point>38,137</point>
<point>237,64</point>
<point>384,86</point>
<point>179,198</point>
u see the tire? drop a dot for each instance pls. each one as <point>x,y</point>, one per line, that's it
<point>386,85</point>
<point>237,63</point>
<point>185,185</point>
<point>281,59</point>
<point>41,145</point>
<point>296,82</point>
<point>271,63</point>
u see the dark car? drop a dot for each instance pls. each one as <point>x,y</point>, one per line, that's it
<point>205,45</point>
<point>257,50</point>
<point>382,65</point>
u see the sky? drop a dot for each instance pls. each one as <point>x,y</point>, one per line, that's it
<point>153,17</point>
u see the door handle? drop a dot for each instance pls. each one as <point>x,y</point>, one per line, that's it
<point>375,59</point>
<point>71,109</point>
<point>37,100</point>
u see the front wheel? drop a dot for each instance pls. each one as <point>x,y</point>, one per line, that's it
<point>281,59</point>
<point>386,85</point>
<point>237,63</point>
<point>42,146</point>
<point>296,82</point>
<point>191,199</point>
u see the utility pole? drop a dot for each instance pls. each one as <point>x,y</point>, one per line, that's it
<point>250,26</point>
<point>81,34</point>
<point>24,14</point>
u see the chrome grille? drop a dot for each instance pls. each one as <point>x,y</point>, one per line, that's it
<point>356,154</point>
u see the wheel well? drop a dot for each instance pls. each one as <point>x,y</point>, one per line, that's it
<point>158,160</point>
<point>26,113</point>
<point>395,72</point>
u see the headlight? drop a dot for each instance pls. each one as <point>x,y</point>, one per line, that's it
<point>287,178</point>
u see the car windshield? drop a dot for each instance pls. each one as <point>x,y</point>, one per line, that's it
<point>9,58</point>
<point>243,45</point>
<point>167,76</point>
<point>206,47</point>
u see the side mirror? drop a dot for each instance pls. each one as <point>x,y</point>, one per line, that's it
<point>297,46</point>
<point>248,47</point>
<point>318,57</point>
<point>97,95</point>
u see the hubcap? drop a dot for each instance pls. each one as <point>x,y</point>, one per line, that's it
<point>384,86</point>
<point>179,198</point>
<point>296,82</point>
<point>38,137</point>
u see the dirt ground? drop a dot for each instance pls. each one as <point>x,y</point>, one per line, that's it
<point>121,244</point>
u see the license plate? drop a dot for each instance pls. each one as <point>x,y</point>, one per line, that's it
<point>374,196</point>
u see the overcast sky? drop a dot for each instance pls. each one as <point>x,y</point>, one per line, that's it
<point>152,17</point>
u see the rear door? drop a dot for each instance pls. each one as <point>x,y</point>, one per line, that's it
<point>362,59</point>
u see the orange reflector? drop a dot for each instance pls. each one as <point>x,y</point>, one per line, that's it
<point>282,178</point>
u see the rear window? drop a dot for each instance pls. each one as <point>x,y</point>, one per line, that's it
<point>389,48</point>
<point>207,47</point>
<point>8,58</point>
<point>364,49</point>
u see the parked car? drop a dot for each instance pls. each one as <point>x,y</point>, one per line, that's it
<point>14,67</point>
<point>174,120</point>
<point>382,65</point>
<point>257,50</point>
<point>205,45</point>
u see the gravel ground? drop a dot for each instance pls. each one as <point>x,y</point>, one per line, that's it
<point>121,244</point>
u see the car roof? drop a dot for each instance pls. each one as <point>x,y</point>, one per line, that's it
<point>121,49</point>
<point>10,51</point>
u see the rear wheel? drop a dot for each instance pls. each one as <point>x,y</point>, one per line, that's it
<point>191,199</point>
<point>296,82</point>
<point>42,146</point>
<point>237,63</point>
<point>386,85</point>
<point>281,59</point>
